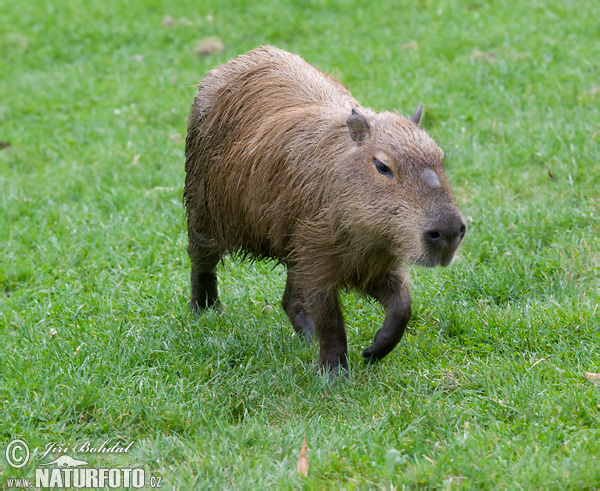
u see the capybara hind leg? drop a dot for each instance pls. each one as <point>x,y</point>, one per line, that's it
<point>295,308</point>
<point>205,293</point>
<point>324,309</point>
<point>391,291</point>
<point>203,279</point>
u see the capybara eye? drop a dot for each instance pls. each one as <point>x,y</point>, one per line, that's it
<point>382,168</point>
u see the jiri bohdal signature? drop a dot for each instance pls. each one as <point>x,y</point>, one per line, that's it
<point>86,447</point>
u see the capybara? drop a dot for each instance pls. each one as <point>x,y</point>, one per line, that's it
<point>283,163</point>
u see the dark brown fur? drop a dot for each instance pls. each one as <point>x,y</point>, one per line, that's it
<point>282,162</point>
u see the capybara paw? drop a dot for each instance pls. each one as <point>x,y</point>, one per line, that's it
<point>373,355</point>
<point>198,307</point>
<point>334,367</point>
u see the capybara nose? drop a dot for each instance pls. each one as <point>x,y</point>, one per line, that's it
<point>443,239</point>
<point>445,235</point>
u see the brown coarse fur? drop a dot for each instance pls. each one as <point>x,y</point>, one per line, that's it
<point>283,163</point>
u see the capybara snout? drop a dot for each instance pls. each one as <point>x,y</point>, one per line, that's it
<point>283,163</point>
<point>443,237</point>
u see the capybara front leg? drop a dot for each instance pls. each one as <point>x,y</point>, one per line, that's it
<point>295,308</point>
<point>324,309</point>
<point>392,292</point>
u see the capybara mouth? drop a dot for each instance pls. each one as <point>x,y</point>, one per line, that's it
<point>431,259</point>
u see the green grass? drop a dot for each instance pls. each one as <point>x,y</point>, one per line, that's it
<point>486,388</point>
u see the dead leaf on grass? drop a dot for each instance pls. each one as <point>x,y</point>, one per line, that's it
<point>410,46</point>
<point>210,46</point>
<point>4,144</point>
<point>429,459</point>
<point>594,378</point>
<point>303,460</point>
<point>168,21</point>
<point>477,55</point>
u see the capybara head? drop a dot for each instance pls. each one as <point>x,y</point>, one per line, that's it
<point>394,190</point>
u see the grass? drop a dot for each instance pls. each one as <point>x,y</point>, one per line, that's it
<point>486,390</point>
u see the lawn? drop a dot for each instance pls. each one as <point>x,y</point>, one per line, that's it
<point>487,387</point>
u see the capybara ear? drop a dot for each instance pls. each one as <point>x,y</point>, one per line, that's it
<point>358,126</point>
<point>416,117</point>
